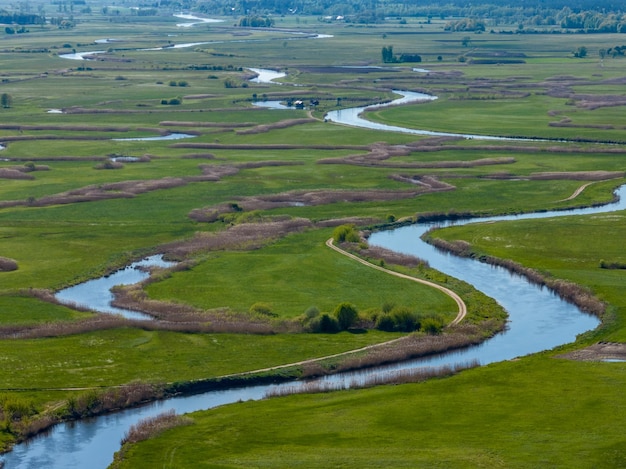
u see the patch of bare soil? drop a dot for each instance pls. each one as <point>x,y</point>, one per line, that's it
<point>602,351</point>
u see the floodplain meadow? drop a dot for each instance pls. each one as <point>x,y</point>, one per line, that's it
<point>103,201</point>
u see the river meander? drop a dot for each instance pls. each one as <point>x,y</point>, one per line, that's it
<point>538,320</point>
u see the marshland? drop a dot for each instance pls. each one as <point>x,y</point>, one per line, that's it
<point>95,174</point>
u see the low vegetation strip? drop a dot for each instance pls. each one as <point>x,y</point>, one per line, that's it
<point>277,125</point>
<point>459,301</point>
<point>568,291</point>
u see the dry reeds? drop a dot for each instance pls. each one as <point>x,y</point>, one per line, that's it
<point>301,198</point>
<point>7,264</point>
<point>411,375</point>
<point>575,294</point>
<point>152,426</point>
<point>263,128</point>
<point>578,175</point>
<point>10,173</point>
<point>243,236</point>
<point>386,255</point>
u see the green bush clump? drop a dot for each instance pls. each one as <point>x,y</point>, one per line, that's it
<point>346,233</point>
<point>324,323</point>
<point>398,319</point>
<point>262,309</point>
<point>346,314</point>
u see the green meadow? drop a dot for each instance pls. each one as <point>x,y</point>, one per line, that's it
<point>78,200</point>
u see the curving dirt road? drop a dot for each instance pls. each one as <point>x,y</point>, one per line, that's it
<point>461,304</point>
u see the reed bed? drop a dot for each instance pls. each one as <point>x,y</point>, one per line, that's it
<point>153,426</point>
<point>7,264</point>
<point>414,375</point>
<point>568,291</point>
<point>242,236</point>
<point>263,128</point>
<point>302,198</point>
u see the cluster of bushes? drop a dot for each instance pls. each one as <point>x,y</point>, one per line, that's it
<point>233,83</point>
<point>181,83</point>
<point>346,234</point>
<point>612,265</point>
<point>390,318</point>
<point>256,22</point>
<point>172,101</point>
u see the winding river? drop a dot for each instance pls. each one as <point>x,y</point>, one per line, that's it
<point>538,320</point>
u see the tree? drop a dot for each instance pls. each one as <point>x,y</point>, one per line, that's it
<point>581,52</point>
<point>387,53</point>
<point>346,315</point>
<point>6,100</point>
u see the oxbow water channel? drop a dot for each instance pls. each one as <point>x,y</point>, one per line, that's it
<point>538,320</point>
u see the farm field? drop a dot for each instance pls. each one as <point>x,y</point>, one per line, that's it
<point>159,143</point>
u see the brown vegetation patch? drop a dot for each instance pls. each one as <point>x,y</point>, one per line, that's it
<point>578,175</point>
<point>150,427</point>
<point>412,346</point>
<point>10,173</point>
<point>386,255</point>
<point>270,146</point>
<point>199,156</point>
<point>379,153</point>
<point>300,198</point>
<point>7,264</point>
<point>602,351</point>
<point>221,125</point>
<point>125,189</point>
<point>243,236</point>
<point>200,96</point>
<point>79,128</point>
<point>276,125</point>
<point>430,182</point>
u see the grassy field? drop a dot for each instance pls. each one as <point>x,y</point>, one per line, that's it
<point>69,212</point>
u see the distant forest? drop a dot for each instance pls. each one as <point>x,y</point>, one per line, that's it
<point>397,7</point>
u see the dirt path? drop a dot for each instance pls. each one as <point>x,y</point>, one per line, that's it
<point>577,192</point>
<point>460,303</point>
<point>459,317</point>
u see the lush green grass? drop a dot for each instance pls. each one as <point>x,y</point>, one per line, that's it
<point>496,416</point>
<point>570,248</point>
<point>293,274</point>
<point>114,357</point>
<point>538,412</point>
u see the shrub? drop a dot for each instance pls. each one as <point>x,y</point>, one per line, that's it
<point>432,326</point>
<point>346,315</point>
<point>263,309</point>
<point>385,323</point>
<point>405,320</point>
<point>324,324</point>
<point>312,312</point>
<point>346,233</point>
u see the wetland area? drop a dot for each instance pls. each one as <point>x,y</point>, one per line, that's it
<point>166,289</point>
